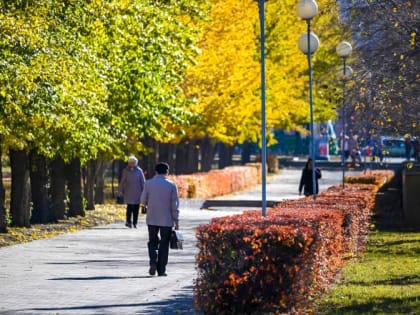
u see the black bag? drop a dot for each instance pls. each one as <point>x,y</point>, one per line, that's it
<point>176,240</point>
<point>120,200</point>
<point>143,209</point>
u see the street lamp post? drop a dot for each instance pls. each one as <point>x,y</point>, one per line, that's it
<point>308,43</point>
<point>261,5</point>
<point>344,50</point>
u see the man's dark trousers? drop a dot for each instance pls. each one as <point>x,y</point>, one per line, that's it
<point>159,248</point>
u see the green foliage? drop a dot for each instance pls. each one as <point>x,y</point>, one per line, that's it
<point>52,99</point>
<point>83,78</point>
<point>151,47</point>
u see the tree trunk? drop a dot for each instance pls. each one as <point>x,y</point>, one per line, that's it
<point>113,178</point>
<point>74,183</point>
<point>3,223</point>
<point>193,154</point>
<point>164,152</point>
<point>58,188</point>
<point>117,168</point>
<point>101,167</point>
<point>246,153</point>
<point>207,154</point>
<point>19,203</point>
<point>167,153</point>
<point>38,172</point>
<point>181,158</point>
<point>89,184</point>
<point>121,166</point>
<point>225,155</point>
<point>149,159</point>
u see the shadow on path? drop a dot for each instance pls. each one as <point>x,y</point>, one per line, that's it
<point>183,303</point>
<point>98,278</point>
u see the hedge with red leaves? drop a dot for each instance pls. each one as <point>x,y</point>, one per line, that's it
<point>371,177</point>
<point>251,264</point>
<point>248,264</point>
<point>218,182</point>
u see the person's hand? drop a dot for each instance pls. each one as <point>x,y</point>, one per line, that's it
<point>176,227</point>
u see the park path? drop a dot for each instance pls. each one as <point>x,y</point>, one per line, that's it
<point>104,270</point>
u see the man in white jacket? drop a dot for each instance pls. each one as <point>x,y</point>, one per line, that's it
<point>160,195</point>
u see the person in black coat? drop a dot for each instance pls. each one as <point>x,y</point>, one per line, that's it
<point>306,182</point>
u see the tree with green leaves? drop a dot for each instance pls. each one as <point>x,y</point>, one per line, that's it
<point>82,80</point>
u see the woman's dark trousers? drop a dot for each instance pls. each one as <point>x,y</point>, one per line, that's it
<point>132,213</point>
<point>159,248</point>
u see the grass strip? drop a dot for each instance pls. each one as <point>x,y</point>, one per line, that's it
<point>386,280</point>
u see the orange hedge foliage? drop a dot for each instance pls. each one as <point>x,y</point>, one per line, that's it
<point>248,264</point>
<point>218,182</point>
<point>371,177</point>
<point>252,264</point>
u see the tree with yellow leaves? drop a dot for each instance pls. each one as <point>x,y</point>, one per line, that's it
<point>287,81</point>
<point>224,82</point>
<point>225,78</point>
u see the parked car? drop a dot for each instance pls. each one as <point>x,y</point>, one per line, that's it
<point>393,146</point>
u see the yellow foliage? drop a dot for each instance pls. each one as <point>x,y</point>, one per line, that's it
<point>287,68</point>
<point>226,74</point>
<point>225,81</point>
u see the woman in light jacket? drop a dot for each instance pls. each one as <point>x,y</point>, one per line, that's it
<point>130,188</point>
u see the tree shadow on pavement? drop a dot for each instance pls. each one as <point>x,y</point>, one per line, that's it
<point>97,278</point>
<point>182,303</point>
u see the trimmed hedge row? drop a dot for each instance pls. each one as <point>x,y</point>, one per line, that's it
<point>248,264</point>
<point>251,264</point>
<point>218,182</point>
<point>370,177</point>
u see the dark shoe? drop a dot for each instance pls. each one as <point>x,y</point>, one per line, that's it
<point>152,270</point>
<point>128,225</point>
<point>134,226</point>
<point>162,275</point>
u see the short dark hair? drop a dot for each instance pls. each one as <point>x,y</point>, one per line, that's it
<point>162,168</point>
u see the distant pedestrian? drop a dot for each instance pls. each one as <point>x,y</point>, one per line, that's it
<point>344,146</point>
<point>376,146</point>
<point>306,182</point>
<point>416,148</point>
<point>131,188</point>
<point>354,149</point>
<point>161,198</point>
<point>408,146</point>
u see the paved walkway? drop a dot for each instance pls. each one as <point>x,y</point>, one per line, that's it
<point>104,270</point>
<point>285,186</point>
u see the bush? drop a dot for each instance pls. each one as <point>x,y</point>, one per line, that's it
<point>355,206</point>
<point>218,182</point>
<point>248,264</point>
<point>378,178</point>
